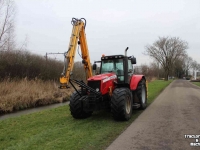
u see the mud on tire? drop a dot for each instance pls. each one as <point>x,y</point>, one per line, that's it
<point>76,106</point>
<point>121,104</point>
<point>141,92</point>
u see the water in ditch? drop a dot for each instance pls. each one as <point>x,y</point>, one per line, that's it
<point>32,110</point>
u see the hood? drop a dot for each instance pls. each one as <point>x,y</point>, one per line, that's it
<point>105,77</point>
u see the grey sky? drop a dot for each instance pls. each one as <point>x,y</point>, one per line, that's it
<point>111,25</point>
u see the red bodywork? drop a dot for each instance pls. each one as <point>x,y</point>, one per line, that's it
<point>106,81</point>
<point>135,79</point>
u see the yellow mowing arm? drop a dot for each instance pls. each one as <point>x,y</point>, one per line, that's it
<point>78,32</point>
<point>85,53</point>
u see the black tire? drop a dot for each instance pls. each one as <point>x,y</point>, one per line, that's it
<point>121,104</point>
<point>76,106</point>
<point>141,92</point>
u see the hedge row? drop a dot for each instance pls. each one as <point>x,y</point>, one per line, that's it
<point>23,64</point>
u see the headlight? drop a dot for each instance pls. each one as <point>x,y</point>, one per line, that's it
<point>97,89</point>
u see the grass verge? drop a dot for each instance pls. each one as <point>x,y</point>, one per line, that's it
<point>56,129</point>
<point>196,83</point>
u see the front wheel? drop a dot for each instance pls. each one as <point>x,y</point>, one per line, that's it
<point>141,92</point>
<point>76,106</point>
<point>121,104</point>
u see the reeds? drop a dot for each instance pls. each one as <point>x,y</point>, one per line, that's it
<point>23,94</point>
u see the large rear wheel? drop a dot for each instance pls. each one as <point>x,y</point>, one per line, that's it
<point>141,92</point>
<point>76,106</point>
<point>121,104</point>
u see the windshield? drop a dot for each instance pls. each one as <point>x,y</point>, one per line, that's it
<point>113,65</point>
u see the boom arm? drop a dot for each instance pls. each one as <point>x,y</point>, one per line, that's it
<point>78,33</point>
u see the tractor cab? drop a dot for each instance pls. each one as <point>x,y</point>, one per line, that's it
<point>120,65</point>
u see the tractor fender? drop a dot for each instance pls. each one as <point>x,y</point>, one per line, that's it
<point>135,79</point>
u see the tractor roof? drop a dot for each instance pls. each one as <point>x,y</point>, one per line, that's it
<point>114,57</point>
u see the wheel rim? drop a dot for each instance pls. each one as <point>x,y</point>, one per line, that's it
<point>143,94</point>
<point>128,105</point>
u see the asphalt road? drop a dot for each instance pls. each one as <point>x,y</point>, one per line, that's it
<point>164,124</point>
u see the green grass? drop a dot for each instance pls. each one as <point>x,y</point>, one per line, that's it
<point>196,83</point>
<point>155,87</point>
<point>56,129</point>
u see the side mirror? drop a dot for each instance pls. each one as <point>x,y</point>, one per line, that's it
<point>133,60</point>
<point>94,66</point>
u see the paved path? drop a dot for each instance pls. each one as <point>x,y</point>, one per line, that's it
<point>164,124</point>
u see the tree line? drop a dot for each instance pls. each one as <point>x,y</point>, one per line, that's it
<point>23,64</point>
<point>15,60</point>
<point>170,55</point>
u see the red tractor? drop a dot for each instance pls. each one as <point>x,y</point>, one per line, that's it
<point>115,88</point>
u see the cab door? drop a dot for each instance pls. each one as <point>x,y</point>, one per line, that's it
<point>130,70</point>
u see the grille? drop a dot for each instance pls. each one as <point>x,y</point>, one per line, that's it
<point>94,84</point>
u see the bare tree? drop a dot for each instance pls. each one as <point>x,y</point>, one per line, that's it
<point>144,69</point>
<point>7,15</point>
<point>179,67</point>
<point>165,51</point>
<point>154,67</point>
<point>151,71</point>
<point>194,65</point>
<point>187,64</point>
<point>198,67</point>
<point>78,71</point>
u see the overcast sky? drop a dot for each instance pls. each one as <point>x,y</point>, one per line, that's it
<point>111,25</point>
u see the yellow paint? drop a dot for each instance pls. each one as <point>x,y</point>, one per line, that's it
<point>147,87</point>
<point>78,33</point>
<point>110,90</point>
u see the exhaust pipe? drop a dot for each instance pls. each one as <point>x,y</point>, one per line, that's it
<point>126,51</point>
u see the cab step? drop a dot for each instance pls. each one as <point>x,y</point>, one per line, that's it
<point>136,106</point>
